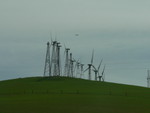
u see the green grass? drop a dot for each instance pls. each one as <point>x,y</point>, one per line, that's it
<point>70,95</point>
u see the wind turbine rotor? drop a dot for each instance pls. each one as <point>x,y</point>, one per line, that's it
<point>86,69</point>
<point>51,38</point>
<point>94,70</point>
<point>103,73</point>
<point>100,65</point>
<point>94,67</point>
<point>65,49</point>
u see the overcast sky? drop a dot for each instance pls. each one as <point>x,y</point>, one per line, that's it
<point>117,30</point>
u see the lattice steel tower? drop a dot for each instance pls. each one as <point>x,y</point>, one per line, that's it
<point>78,69</point>
<point>67,68</point>
<point>54,59</point>
<point>71,67</point>
<point>58,61</point>
<point>47,68</point>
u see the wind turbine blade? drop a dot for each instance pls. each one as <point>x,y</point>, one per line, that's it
<point>55,36</point>
<point>98,73</point>
<point>100,65</point>
<point>147,74</point>
<point>86,70</point>
<point>94,67</point>
<point>65,46</point>
<point>94,70</point>
<point>50,34</point>
<point>65,49</point>
<point>74,60</point>
<point>51,37</point>
<point>77,61</point>
<point>104,77</point>
<point>103,71</point>
<point>92,56</point>
<point>75,67</point>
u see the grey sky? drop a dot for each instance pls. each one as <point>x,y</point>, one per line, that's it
<point>118,31</point>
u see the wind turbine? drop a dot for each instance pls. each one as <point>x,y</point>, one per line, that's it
<point>102,76</point>
<point>77,67</point>
<point>47,68</point>
<point>71,65</point>
<point>66,69</point>
<point>58,61</point>
<point>54,59</point>
<point>90,66</point>
<point>97,70</point>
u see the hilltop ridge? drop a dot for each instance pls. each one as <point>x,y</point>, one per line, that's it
<point>71,95</point>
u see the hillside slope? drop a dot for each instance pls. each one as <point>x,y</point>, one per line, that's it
<point>70,95</point>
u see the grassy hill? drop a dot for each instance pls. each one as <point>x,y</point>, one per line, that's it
<point>70,95</point>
